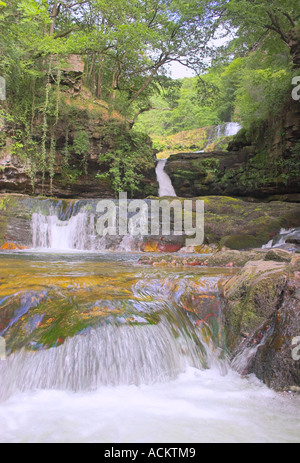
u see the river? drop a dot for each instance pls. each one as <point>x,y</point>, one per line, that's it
<point>103,349</point>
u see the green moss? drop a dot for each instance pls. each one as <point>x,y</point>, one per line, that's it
<point>240,242</point>
<point>7,205</point>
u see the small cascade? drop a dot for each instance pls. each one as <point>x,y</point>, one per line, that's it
<point>218,132</point>
<point>49,232</point>
<point>110,355</point>
<point>285,239</point>
<point>60,226</point>
<point>229,130</point>
<point>165,184</point>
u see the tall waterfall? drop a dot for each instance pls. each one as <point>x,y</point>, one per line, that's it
<point>165,184</point>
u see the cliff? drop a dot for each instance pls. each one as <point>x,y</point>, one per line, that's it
<point>90,149</point>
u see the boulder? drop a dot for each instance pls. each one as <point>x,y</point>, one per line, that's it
<point>262,318</point>
<point>278,255</point>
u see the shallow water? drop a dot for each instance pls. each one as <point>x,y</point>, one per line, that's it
<point>142,368</point>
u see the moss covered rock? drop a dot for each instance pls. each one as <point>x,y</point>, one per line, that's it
<point>229,222</point>
<point>262,317</point>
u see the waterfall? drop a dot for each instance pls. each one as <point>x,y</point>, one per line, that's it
<point>290,237</point>
<point>165,184</point>
<point>229,129</point>
<point>60,226</point>
<point>110,355</point>
<point>49,232</point>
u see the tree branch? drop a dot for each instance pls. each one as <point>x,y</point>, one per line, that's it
<point>289,18</point>
<point>162,60</point>
<point>275,26</point>
<point>144,110</point>
<point>64,34</point>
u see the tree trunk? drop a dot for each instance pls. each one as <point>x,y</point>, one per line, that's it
<point>114,85</point>
<point>149,80</point>
<point>91,73</point>
<point>53,18</point>
<point>294,46</point>
<point>99,83</point>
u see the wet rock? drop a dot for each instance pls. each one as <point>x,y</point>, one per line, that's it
<point>12,247</point>
<point>279,255</point>
<point>15,220</point>
<point>293,241</point>
<point>262,317</point>
<point>225,259</point>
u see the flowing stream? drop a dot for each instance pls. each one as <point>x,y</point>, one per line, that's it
<point>165,183</point>
<point>101,348</point>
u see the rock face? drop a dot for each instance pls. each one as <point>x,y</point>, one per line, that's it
<point>15,220</point>
<point>259,164</point>
<point>262,319</point>
<point>85,133</point>
<point>203,174</point>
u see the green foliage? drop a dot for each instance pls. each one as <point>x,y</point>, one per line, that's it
<point>247,80</point>
<point>3,204</point>
<point>70,176</point>
<point>130,156</point>
<point>187,112</point>
<point>261,94</point>
<point>81,147</point>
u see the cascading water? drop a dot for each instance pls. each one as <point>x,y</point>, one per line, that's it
<point>101,348</point>
<point>229,129</point>
<point>109,355</point>
<point>165,184</point>
<point>217,132</point>
<point>55,227</point>
<point>49,232</point>
<point>289,239</point>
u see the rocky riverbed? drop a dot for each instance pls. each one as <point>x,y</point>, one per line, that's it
<point>260,309</point>
<point>259,296</point>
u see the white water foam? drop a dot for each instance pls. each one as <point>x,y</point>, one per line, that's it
<point>165,184</point>
<point>49,232</point>
<point>197,407</point>
<point>282,237</point>
<point>110,355</point>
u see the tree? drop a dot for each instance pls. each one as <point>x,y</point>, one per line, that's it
<point>257,20</point>
<point>136,40</point>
